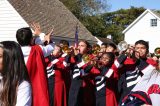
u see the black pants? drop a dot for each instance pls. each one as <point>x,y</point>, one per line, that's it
<point>51,90</point>
<point>101,97</point>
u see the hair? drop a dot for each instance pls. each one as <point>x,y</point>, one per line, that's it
<point>14,71</point>
<point>88,46</point>
<point>64,42</point>
<point>112,45</point>
<point>142,42</point>
<point>105,44</point>
<point>87,43</point>
<point>59,47</point>
<point>95,45</point>
<point>24,36</point>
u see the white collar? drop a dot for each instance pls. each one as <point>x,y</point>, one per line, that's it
<point>26,50</point>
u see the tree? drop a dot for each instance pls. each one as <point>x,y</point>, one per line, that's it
<point>94,24</point>
<point>89,12</point>
<point>82,8</point>
<point>116,22</point>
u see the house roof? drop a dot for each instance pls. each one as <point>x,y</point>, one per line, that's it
<point>105,40</point>
<point>51,13</point>
<point>154,13</point>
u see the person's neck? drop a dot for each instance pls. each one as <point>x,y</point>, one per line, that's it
<point>143,58</point>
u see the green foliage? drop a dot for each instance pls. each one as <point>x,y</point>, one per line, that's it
<point>158,11</point>
<point>82,8</point>
<point>108,23</point>
<point>94,24</point>
<point>117,21</point>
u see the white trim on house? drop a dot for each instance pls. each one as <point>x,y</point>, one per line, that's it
<point>141,16</point>
<point>142,29</point>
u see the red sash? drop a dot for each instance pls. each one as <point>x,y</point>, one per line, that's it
<point>38,78</point>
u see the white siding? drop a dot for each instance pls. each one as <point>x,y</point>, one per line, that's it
<point>10,21</point>
<point>143,30</point>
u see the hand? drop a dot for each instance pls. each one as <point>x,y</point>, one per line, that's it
<point>36,28</point>
<point>48,36</point>
<point>76,51</point>
<point>146,105</point>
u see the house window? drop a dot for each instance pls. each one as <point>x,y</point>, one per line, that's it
<point>153,22</point>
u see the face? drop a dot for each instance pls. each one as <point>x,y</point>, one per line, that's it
<point>105,59</point>
<point>109,49</point>
<point>1,59</point>
<point>155,58</point>
<point>82,48</point>
<point>61,45</point>
<point>56,52</point>
<point>103,48</point>
<point>141,51</point>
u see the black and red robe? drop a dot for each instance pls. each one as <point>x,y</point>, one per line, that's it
<point>82,90</point>
<point>57,71</point>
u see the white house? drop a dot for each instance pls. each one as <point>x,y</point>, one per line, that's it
<point>15,14</point>
<point>145,27</point>
<point>10,21</point>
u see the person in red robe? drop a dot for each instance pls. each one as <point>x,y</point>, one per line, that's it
<point>34,58</point>
<point>56,71</point>
<point>133,68</point>
<point>105,94</point>
<point>37,74</point>
<point>82,85</point>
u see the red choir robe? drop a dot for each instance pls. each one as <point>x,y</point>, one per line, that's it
<point>105,87</point>
<point>130,65</point>
<point>38,78</point>
<point>82,91</point>
<point>87,90</point>
<point>60,90</point>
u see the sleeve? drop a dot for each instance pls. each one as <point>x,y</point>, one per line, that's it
<point>152,62</point>
<point>115,66</point>
<point>61,64</point>
<point>88,68</point>
<point>109,72</point>
<point>67,61</point>
<point>78,58</point>
<point>48,49</point>
<point>95,72</point>
<point>24,94</point>
<point>40,39</point>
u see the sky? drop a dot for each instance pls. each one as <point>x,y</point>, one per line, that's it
<point>126,4</point>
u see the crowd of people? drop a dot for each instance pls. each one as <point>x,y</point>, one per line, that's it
<point>37,72</point>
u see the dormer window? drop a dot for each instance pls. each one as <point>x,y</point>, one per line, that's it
<point>153,22</point>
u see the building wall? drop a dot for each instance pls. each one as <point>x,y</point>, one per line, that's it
<point>10,21</point>
<point>143,30</point>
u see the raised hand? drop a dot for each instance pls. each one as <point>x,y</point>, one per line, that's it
<point>48,36</point>
<point>36,28</point>
<point>76,51</point>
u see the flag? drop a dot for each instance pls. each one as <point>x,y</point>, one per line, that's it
<point>76,37</point>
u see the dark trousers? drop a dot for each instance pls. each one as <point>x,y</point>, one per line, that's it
<point>51,90</point>
<point>101,97</point>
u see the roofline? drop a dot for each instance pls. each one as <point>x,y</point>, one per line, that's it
<point>71,39</point>
<point>137,19</point>
<point>109,40</point>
